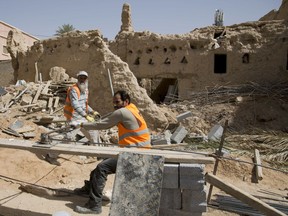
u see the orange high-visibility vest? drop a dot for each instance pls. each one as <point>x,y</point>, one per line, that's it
<point>139,137</point>
<point>68,109</point>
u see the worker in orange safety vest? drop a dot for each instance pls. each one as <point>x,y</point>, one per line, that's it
<point>132,132</point>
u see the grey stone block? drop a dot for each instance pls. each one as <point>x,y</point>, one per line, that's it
<point>179,134</point>
<point>173,212</point>
<point>195,208</point>
<point>197,185</point>
<point>215,133</point>
<point>194,197</point>
<point>192,171</point>
<point>170,198</point>
<point>170,176</point>
<point>183,116</point>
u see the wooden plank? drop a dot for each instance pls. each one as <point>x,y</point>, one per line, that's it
<point>257,160</point>
<point>218,154</point>
<point>242,195</point>
<point>138,183</point>
<point>97,151</point>
<point>37,94</point>
<point>46,87</point>
<point>56,103</point>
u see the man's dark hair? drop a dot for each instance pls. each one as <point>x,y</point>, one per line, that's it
<point>123,94</point>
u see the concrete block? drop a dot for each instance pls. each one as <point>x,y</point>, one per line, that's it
<point>170,176</point>
<point>170,198</point>
<point>194,197</point>
<point>191,171</point>
<point>194,208</point>
<point>215,133</point>
<point>191,176</point>
<point>179,135</point>
<point>183,116</point>
<point>197,185</point>
<point>162,141</point>
<point>173,212</point>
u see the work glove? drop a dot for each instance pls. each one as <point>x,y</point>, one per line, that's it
<point>75,124</point>
<point>96,115</point>
<point>90,118</point>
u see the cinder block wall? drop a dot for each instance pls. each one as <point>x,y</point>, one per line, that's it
<point>183,190</point>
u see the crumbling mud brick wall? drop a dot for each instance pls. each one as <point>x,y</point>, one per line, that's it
<point>87,51</point>
<point>247,52</point>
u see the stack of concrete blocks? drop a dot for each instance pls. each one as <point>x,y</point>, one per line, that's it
<point>183,190</point>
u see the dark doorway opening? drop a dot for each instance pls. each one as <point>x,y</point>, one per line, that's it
<point>220,63</point>
<point>163,89</point>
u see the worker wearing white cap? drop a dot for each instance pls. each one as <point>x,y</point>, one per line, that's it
<point>77,108</point>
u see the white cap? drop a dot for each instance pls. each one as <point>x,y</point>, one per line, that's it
<point>82,73</point>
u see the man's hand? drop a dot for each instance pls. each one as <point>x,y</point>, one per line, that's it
<point>96,115</point>
<point>90,118</point>
<point>75,124</point>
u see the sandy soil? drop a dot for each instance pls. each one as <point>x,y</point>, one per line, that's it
<point>20,167</point>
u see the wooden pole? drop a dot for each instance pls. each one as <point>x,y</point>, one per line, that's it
<point>218,155</point>
<point>257,160</point>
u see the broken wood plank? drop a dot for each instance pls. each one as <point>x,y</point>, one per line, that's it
<point>242,195</point>
<point>46,87</point>
<point>35,99</point>
<point>257,160</point>
<point>143,189</point>
<point>104,152</point>
<point>56,102</point>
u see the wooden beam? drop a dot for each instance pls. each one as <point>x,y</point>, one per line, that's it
<point>218,154</point>
<point>242,196</point>
<point>257,160</point>
<point>102,151</point>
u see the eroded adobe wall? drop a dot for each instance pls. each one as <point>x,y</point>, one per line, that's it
<point>87,51</point>
<point>255,51</point>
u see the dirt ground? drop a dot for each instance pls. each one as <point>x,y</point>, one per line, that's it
<point>20,167</point>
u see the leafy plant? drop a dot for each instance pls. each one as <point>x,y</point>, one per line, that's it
<point>64,29</point>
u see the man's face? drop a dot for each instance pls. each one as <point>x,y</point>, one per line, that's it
<point>118,103</point>
<point>82,83</point>
<point>82,79</point>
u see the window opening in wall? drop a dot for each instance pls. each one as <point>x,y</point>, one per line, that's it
<point>164,90</point>
<point>130,51</point>
<point>219,34</point>
<point>173,48</point>
<point>5,51</point>
<point>245,58</point>
<point>165,50</point>
<point>193,46</point>
<point>184,60</point>
<point>151,62</point>
<point>137,61</point>
<point>220,63</point>
<point>148,51</point>
<point>167,61</point>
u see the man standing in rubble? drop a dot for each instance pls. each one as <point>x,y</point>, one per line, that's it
<point>77,110</point>
<point>132,132</point>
